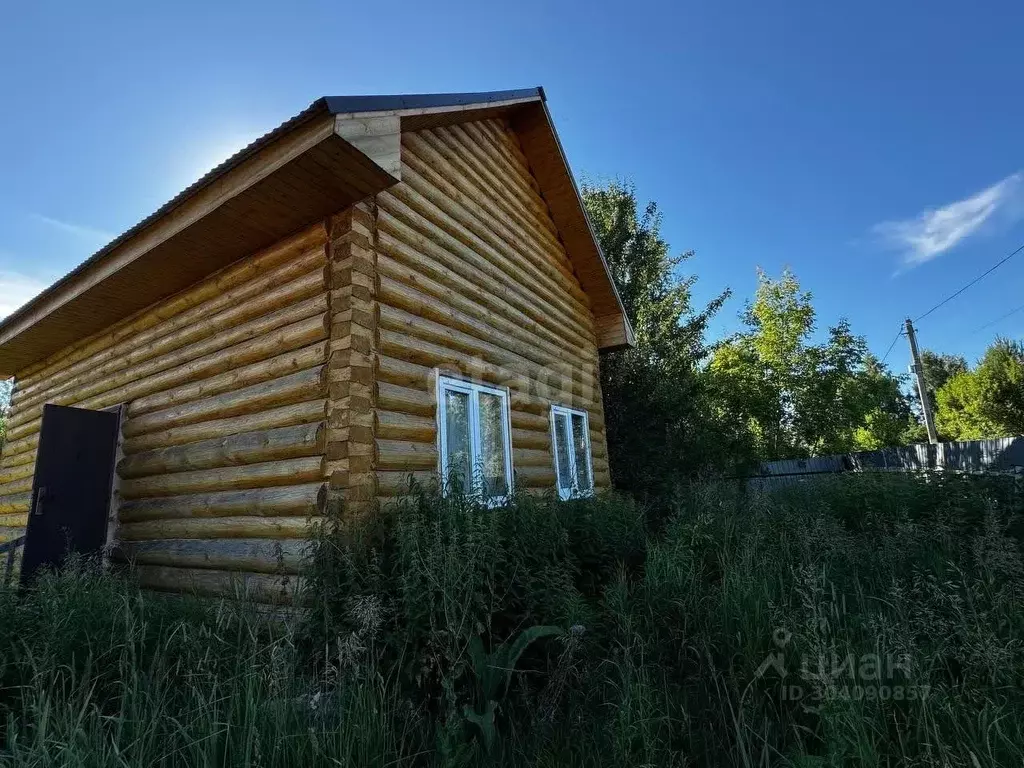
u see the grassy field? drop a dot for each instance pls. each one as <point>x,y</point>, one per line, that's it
<point>858,621</point>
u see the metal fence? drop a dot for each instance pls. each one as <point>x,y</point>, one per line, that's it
<point>1001,455</point>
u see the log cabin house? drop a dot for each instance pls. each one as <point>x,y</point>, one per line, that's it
<point>382,287</point>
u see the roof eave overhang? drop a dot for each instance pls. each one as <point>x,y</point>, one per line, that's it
<point>336,152</point>
<point>527,112</point>
<point>549,164</point>
<point>309,168</point>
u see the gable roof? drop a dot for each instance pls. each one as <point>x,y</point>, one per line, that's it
<point>318,162</point>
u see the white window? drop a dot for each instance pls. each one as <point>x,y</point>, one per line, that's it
<point>475,438</point>
<point>570,436</point>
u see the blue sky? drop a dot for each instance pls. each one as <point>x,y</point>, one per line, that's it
<point>873,147</point>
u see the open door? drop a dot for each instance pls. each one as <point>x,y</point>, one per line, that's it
<point>71,489</point>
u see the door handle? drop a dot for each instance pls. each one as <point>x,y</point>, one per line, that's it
<point>37,509</point>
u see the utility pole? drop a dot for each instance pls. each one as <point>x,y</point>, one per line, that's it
<point>922,387</point>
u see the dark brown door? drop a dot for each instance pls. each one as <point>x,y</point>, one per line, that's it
<point>71,489</point>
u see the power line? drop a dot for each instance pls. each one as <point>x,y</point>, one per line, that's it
<point>999,319</point>
<point>987,272</point>
<point>895,339</point>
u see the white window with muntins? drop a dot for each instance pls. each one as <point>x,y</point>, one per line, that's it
<point>570,441</point>
<point>474,437</point>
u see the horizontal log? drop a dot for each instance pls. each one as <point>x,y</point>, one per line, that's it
<point>512,183</point>
<point>259,587</point>
<point>395,371</point>
<point>512,168</point>
<point>241,364</point>
<point>286,304</point>
<point>392,425</point>
<point>248,277</point>
<point>391,397</point>
<point>474,322</point>
<point>528,438</point>
<point>284,416</point>
<point>444,300</point>
<point>403,253</point>
<point>16,502</point>
<point>279,501</point>
<point>396,483</point>
<point>13,520</point>
<point>305,385</point>
<point>476,225</point>
<point>255,555</point>
<point>10,474</point>
<point>234,379</point>
<point>269,346</point>
<point>407,224</point>
<point>492,211</point>
<point>535,477</point>
<point>287,472</point>
<point>15,487</point>
<point>572,381</point>
<point>453,237</point>
<point>405,455</point>
<point>248,527</point>
<point>528,457</point>
<point>16,451</point>
<point>243,448</point>
<point>523,398</point>
<point>523,420</point>
<point>397,345</point>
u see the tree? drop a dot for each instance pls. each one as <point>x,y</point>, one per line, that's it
<point>659,425</point>
<point>888,419</point>
<point>988,401</point>
<point>940,368</point>
<point>796,398</point>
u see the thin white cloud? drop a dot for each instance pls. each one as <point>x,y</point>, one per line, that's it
<point>935,231</point>
<point>86,233</point>
<point>16,289</point>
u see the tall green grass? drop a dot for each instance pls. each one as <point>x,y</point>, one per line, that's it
<point>857,620</point>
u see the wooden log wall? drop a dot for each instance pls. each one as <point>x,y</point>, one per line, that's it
<point>225,428</point>
<point>472,279</point>
<point>353,345</point>
<point>308,369</point>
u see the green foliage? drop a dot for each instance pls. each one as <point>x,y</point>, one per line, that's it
<point>95,673</point>
<point>493,673</point>
<point>797,398</point>
<point>985,402</point>
<point>658,419</point>
<point>938,369</point>
<point>857,620</point>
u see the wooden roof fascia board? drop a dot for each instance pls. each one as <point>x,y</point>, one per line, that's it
<point>544,151</point>
<point>250,172</point>
<point>379,137</point>
<point>303,176</point>
<point>426,104</point>
<point>362,135</point>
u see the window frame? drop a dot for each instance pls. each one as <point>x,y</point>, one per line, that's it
<point>447,382</point>
<point>564,411</point>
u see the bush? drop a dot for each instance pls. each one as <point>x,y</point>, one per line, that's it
<point>744,629</point>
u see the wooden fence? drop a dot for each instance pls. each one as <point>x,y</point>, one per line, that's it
<point>1002,455</point>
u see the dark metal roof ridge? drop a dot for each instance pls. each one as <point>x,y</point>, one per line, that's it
<point>345,104</point>
<point>323,105</point>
